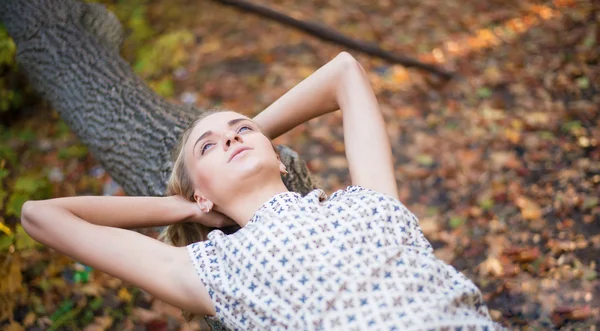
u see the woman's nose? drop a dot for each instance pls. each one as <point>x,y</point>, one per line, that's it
<point>229,136</point>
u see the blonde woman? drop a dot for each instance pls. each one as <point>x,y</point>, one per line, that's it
<point>356,260</point>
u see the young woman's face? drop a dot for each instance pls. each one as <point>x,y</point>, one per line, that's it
<point>210,161</point>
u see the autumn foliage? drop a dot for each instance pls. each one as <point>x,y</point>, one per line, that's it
<point>501,164</point>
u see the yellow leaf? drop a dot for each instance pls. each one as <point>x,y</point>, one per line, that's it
<point>5,229</point>
<point>124,295</point>
<point>305,71</point>
<point>14,326</point>
<point>512,135</point>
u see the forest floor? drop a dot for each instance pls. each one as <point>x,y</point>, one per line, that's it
<point>501,164</point>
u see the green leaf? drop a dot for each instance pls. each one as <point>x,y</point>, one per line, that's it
<point>590,202</point>
<point>3,195</point>
<point>87,317</point>
<point>8,154</point>
<point>484,92</point>
<point>64,308</point>
<point>165,88</point>
<point>23,240</point>
<point>7,48</point>
<point>583,82</point>
<point>45,285</point>
<point>591,275</point>
<point>486,204</point>
<point>96,303</point>
<point>424,160</point>
<point>15,203</point>
<point>74,151</point>
<point>590,40</point>
<point>570,126</point>
<point>26,184</point>
<point>26,135</point>
<point>27,187</point>
<point>67,317</point>
<point>6,242</point>
<point>455,222</point>
<point>431,211</point>
<point>547,135</point>
<point>62,129</point>
<point>3,173</point>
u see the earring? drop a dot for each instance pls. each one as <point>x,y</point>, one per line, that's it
<point>285,172</point>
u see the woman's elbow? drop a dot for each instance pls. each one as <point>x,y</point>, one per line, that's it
<point>351,68</point>
<point>30,215</point>
<point>347,60</point>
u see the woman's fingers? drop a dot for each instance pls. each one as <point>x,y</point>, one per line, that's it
<point>214,219</point>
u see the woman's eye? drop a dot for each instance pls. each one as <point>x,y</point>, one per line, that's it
<point>239,130</point>
<point>204,147</point>
<point>245,126</point>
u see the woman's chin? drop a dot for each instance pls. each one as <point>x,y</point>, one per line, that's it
<point>245,166</point>
<point>248,168</point>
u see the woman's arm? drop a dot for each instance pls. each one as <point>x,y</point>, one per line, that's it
<point>160,269</point>
<point>311,98</point>
<point>340,84</point>
<point>132,212</point>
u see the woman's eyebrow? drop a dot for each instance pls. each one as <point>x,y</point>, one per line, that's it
<point>208,133</point>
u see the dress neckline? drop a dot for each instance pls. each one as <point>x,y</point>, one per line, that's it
<point>275,202</point>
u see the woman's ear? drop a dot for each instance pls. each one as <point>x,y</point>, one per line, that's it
<point>282,168</point>
<point>204,204</point>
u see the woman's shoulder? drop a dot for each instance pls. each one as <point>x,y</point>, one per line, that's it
<point>353,191</point>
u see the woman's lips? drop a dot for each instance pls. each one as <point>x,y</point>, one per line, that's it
<point>240,154</point>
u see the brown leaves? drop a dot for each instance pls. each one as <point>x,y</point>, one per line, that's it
<point>502,165</point>
<point>530,210</point>
<point>101,323</point>
<point>562,314</point>
<point>491,266</point>
<point>523,255</point>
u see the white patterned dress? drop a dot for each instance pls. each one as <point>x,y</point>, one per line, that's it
<point>355,261</point>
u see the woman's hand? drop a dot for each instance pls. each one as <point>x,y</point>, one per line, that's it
<point>212,219</point>
<point>316,95</point>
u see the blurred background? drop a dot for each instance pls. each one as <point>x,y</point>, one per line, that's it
<point>501,164</point>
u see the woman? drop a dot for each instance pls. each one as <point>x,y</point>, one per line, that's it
<point>355,261</point>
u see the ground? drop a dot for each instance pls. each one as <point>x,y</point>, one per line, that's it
<point>501,164</point>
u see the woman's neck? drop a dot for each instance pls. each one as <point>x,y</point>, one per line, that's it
<point>242,205</point>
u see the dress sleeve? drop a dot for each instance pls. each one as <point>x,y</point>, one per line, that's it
<point>396,219</point>
<point>217,263</point>
<point>351,189</point>
<point>200,254</point>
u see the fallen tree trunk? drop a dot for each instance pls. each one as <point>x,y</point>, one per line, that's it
<point>69,52</point>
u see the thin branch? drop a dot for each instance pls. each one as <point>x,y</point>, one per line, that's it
<point>331,35</point>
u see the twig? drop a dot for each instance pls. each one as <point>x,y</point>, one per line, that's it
<point>331,35</point>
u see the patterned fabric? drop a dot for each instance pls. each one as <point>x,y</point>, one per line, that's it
<point>355,261</point>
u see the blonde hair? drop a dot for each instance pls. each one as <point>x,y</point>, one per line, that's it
<point>180,183</point>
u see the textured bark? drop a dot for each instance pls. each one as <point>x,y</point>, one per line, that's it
<point>69,52</point>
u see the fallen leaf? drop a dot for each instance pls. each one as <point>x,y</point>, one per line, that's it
<point>530,210</point>
<point>101,323</point>
<point>491,266</point>
<point>144,315</point>
<point>124,294</point>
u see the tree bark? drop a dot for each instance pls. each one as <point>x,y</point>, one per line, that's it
<point>69,52</point>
